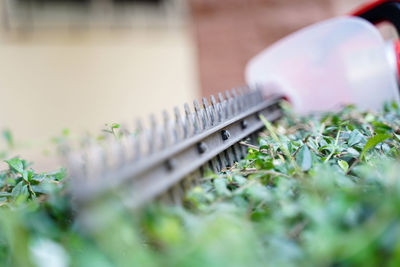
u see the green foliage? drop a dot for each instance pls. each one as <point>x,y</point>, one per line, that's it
<point>373,141</point>
<point>20,183</point>
<point>343,165</point>
<point>114,129</point>
<point>304,158</point>
<point>315,191</point>
<point>340,209</point>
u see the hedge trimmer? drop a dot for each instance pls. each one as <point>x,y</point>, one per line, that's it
<point>339,61</point>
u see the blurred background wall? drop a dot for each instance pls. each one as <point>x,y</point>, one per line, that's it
<point>79,64</point>
<point>230,32</point>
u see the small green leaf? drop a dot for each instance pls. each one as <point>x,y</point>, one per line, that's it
<point>16,164</point>
<point>239,179</point>
<point>355,138</point>
<point>303,158</point>
<point>8,137</point>
<point>275,137</point>
<point>25,175</point>
<point>258,193</point>
<point>352,152</point>
<point>65,132</point>
<point>243,164</point>
<point>396,136</point>
<point>10,181</point>
<point>263,163</point>
<point>58,175</point>
<point>25,191</point>
<point>221,187</point>
<point>17,190</point>
<point>369,117</point>
<point>380,127</point>
<point>115,126</point>
<point>373,141</point>
<point>343,165</point>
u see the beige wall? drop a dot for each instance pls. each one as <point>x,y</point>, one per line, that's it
<point>49,82</point>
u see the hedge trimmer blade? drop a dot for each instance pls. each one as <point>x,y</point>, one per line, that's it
<point>156,160</point>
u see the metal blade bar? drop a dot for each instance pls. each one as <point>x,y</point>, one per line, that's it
<point>216,129</point>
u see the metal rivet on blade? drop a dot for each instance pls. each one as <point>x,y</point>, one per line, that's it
<point>170,164</point>
<point>225,135</point>
<point>201,147</point>
<point>243,124</point>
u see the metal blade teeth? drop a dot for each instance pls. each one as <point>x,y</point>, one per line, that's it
<point>114,154</point>
<point>190,121</point>
<point>235,101</point>
<point>148,141</point>
<point>180,126</point>
<point>222,111</point>
<point>214,111</point>
<point>98,161</point>
<point>137,142</point>
<point>152,135</point>
<point>240,99</point>
<point>206,113</point>
<point>168,137</point>
<point>228,99</point>
<point>198,122</point>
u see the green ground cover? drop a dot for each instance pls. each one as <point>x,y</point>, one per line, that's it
<point>317,191</point>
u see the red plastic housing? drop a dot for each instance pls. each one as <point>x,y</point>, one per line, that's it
<point>368,6</point>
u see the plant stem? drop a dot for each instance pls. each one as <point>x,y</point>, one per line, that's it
<point>335,146</point>
<point>274,136</point>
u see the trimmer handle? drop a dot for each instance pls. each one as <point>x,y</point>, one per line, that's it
<point>381,10</point>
